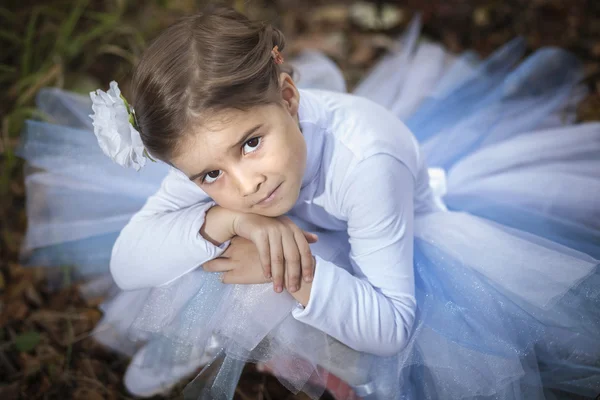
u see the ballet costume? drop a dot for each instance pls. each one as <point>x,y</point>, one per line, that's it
<point>456,203</point>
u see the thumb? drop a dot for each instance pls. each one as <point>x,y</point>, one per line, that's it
<point>243,276</point>
<point>217,265</point>
<point>310,237</point>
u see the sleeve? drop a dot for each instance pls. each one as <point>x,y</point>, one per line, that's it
<point>373,309</point>
<point>162,241</point>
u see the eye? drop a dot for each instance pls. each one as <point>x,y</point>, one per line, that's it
<point>212,176</point>
<point>251,145</point>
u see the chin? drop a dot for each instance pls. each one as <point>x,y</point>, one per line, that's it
<point>276,210</point>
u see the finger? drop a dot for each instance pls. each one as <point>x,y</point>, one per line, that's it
<point>310,237</point>
<point>276,261</point>
<point>291,253</point>
<point>306,257</point>
<point>217,265</point>
<point>261,241</point>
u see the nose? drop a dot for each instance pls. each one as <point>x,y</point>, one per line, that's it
<point>248,181</point>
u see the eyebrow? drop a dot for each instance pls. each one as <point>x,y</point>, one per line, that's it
<point>243,138</point>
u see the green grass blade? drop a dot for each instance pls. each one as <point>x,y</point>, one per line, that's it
<point>6,14</point>
<point>68,26</point>
<point>28,44</point>
<point>7,73</point>
<point>22,84</point>
<point>46,78</point>
<point>117,51</point>
<point>10,36</point>
<point>6,78</point>
<point>23,113</point>
<point>9,162</point>
<point>7,68</point>
<point>51,12</point>
<point>82,40</point>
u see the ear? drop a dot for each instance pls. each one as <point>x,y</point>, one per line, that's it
<point>290,96</point>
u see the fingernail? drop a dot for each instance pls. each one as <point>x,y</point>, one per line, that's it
<point>293,288</point>
<point>278,289</point>
<point>307,278</point>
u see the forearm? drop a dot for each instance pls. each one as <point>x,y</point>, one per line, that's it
<point>356,313</point>
<point>153,250</point>
<point>370,304</point>
<point>163,240</point>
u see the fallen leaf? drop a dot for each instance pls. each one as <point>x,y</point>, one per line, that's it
<point>87,394</point>
<point>10,392</point>
<point>30,365</point>
<point>481,16</point>
<point>334,13</point>
<point>368,16</point>
<point>26,342</point>
<point>32,295</point>
<point>15,310</point>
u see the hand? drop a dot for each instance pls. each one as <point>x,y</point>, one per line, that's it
<point>279,241</point>
<point>239,263</point>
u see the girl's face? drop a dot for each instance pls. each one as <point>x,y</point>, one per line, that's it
<point>250,161</point>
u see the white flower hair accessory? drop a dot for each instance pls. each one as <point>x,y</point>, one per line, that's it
<point>115,128</point>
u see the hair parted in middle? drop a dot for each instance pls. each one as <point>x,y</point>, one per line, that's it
<point>202,64</point>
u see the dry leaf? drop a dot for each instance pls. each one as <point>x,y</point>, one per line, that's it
<point>337,14</point>
<point>87,394</point>
<point>368,16</point>
<point>32,296</point>
<point>11,391</point>
<point>481,16</point>
<point>15,310</point>
<point>30,365</point>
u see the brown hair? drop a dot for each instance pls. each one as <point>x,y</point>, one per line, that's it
<point>204,63</point>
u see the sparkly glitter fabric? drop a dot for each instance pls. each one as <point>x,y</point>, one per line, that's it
<point>507,280</point>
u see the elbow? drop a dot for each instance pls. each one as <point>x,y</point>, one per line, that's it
<point>400,332</point>
<point>120,268</point>
<point>121,281</point>
<point>116,270</point>
<point>395,345</point>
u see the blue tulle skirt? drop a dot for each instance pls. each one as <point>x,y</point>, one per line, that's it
<point>507,280</point>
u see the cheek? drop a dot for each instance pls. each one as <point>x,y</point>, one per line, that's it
<point>292,151</point>
<point>288,159</point>
<point>222,196</point>
<point>297,156</point>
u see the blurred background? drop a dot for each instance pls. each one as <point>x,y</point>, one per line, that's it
<point>80,45</point>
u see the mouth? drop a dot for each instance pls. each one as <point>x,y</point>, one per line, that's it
<point>270,197</point>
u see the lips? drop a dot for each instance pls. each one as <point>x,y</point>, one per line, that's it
<point>269,198</point>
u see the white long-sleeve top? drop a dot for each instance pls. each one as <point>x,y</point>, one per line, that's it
<point>364,175</point>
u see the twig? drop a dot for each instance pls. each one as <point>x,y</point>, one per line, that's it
<point>94,382</point>
<point>89,367</point>
<point>243,395</point>
<point>81,337</point>
<point>266,391</point>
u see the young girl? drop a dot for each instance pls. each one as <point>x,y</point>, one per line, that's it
<point>481,285</point>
